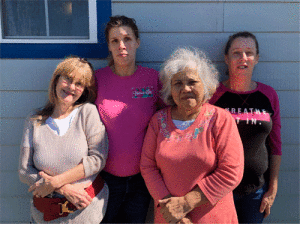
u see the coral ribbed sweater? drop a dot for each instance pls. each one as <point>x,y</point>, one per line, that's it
<point>209,154</point>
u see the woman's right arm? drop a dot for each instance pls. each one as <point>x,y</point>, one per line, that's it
<point>149,169</point>
<point>151,172</point>
<point>28,174</point>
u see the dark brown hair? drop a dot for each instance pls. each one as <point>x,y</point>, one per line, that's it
<point>119,21</point>
<point>244,34</point>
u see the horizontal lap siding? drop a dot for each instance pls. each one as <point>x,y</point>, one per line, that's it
<point>164,26</point>
<point>14,209</point>
<point>156,47</point>
<point>175,17</point>
<point>30,74</point>
<point>273,17</point>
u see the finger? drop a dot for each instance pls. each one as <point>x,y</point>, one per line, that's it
<point>164,210</point>
<point>267,211</point>
<point>43,175</point>
<point>89,198</point>
<point>164,201</point>
<point>81,205</point>
<point>84,205</point>
<point>38,193</point>
<point>35,192</point>
<point>32,187</point>
<point>185,220</point>
<point>172,221</point>
<point>86,185</point>
<point>78,206</point>
<point>86,200</point>
<point>263,206</point>
<point>168,217</point>
<point>43,195</point>
<point>85,195</point>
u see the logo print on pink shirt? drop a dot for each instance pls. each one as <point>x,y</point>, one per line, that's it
<point>145,92</point>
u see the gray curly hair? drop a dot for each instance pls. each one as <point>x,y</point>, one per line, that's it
<point>193,59</point>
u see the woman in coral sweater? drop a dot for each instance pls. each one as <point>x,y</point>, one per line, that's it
<point>192,156</point>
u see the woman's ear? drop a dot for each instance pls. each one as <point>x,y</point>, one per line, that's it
<point>138,42</point>
<point>256,59</point>
<point>226,59</point>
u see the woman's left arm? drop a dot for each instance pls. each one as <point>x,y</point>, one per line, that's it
<point>269,196</point>
<point>92,163</point>
<point>274,142</point>
<point>229,152</point>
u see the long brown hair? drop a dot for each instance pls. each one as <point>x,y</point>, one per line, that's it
<point>65,68</point>
<point>119,21</point>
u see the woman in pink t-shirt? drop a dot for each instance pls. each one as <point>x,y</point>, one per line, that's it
<point>192,156</point>
<point>127,99</point>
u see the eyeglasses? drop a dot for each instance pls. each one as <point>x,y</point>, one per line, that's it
<point>69,80</point>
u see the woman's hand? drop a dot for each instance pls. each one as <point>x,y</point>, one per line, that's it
<point>76,194</point>
<point>267,202</point>
<point>174,209</point>
<point>46,187</point>
<point>269,196</point>
<point>185,220</point>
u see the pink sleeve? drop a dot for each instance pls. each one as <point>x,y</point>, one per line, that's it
<point>275,136</point>
<point>149,170</point>
<point>230,155</point>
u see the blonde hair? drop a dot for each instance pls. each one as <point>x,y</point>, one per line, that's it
<point>65,68</point>
<point>192,59</point>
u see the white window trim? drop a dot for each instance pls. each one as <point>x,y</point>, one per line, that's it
<point>92,31</point>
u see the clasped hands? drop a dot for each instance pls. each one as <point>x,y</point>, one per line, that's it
<point>175,210</point>
<point>44,186</point>
<point>75,193</point>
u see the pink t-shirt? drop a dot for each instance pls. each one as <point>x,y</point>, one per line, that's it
<point>126,105</point>
<point>209,154</point>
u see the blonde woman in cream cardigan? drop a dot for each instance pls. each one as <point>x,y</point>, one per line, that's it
<point>64,146</point>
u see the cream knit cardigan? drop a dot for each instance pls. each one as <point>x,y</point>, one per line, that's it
<point>85,141</point>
